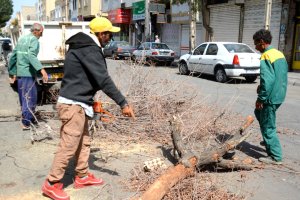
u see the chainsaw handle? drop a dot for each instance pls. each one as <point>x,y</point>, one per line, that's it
<point>110,117</point>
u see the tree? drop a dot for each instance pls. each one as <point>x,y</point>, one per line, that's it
<point>6,11</point>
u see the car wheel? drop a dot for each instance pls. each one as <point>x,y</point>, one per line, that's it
<point>149,62</point>
<point>220,75</point>
<point>169,63</point>
<point>133,58</point>
<point>250,79</point>
<point>114,56</point>
<point>183,68</point>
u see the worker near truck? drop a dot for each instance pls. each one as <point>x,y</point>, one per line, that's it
<point>85,73</point>
<point>23,68</point>
<point>271,93</point>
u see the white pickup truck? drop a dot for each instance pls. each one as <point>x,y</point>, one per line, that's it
<point>52,44</point>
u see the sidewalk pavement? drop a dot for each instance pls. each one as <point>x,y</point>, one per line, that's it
<point>294,78</point>
<point>9,106</point>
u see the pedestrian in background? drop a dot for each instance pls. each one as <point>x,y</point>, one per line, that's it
<point>6,49</point>
<point>23,68</point>
<point>157,40</point>
<point>85,72</point>
<point>271,93</point>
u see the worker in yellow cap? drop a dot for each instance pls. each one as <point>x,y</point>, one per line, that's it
<point>85,73</point>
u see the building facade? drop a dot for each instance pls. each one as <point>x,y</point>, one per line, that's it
<point>44,9</point>
<point>88,9</point>
<point>230,20</point>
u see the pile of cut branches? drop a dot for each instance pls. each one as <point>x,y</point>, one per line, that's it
<point>156,98</point>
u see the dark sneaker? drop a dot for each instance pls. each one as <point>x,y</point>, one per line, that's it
<point>269,160</point>
<point>54,191</point>
<point>88,180</point>
<point>262,143</point>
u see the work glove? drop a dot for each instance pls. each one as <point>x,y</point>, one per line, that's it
<point>259,105</point>
<point>127,111</point>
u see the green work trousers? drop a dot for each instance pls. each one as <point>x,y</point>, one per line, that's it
<point>267,121</point>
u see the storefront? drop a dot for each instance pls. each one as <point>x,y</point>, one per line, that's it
<point>231,21</point>
<point>225,21</point>
<point>122,18</point>
<point>296,52</point>
<point>254,20</point>
<point>178,33</point>
<point>138,17</point>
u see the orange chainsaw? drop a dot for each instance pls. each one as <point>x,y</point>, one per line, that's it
<point>101,114</point>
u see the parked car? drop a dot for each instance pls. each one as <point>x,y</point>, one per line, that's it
<point>154,52</point>
<point>8,47</point>
<point>118,49</point>
<point>223,60</point>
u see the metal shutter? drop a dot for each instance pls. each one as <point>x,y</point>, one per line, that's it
<point>170,36</point>
<point>254,20</point>
<point>225,20</point>
<point>185,37</point>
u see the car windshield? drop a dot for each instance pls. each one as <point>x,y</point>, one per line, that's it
<point>5,40</point>
<point>238,48</point>
<point>159,46</point>
<point>123,44</point>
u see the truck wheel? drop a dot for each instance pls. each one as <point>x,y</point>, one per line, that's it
<point>220,75</point>
<point>250,79</point>
<point>169,63</point>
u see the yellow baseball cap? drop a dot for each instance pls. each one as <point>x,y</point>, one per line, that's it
<point>101,24</point>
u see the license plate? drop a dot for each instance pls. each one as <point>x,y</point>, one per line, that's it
<point>164,53</point>
<point>56,75</point>
<point>251,70</point>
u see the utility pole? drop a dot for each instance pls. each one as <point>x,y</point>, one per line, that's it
<point>192,25</point>
<point>268,11</point>
<point>66,10</point>
<point>147,19</point>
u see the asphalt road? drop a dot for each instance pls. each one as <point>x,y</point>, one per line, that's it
<point>239,96</point>
<point>24,166</point>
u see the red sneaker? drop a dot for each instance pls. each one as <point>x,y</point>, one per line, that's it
<point>54,191</point>
<point>88,180</point>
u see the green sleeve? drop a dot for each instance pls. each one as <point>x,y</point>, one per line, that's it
<point>12,64</point>
<point>267,79</point>
<point>32,54</point>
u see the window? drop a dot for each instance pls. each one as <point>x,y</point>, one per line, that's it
<point>238,48</point>
<point>200,50</point>
<point>74,4</point>
<point>159,46</point>
<point>147,46</point>
<point>212,49</point>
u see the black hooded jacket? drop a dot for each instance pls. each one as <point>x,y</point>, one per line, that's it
<point>85,72</point>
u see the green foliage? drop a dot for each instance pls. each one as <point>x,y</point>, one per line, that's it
<point>6,10</point>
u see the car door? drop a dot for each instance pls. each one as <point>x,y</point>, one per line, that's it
<point>139,52</point>
<point>195,58</point>
<point>209,59</point>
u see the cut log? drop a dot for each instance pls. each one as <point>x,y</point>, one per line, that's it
<point>172,176</point>
<point>188,163</point>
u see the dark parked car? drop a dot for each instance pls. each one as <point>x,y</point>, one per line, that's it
<point>118,49</point>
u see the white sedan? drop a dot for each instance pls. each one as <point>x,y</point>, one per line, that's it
<point>153,52</point>
<point>223,60</point>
